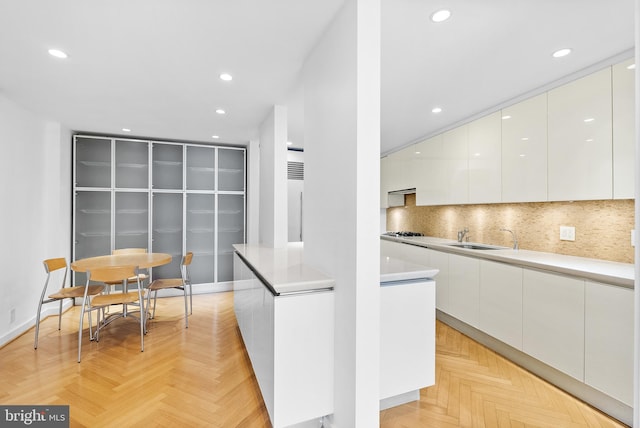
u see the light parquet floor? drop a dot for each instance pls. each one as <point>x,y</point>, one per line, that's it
<point>475,387</point>
<point>195,377</point>
<point>202,377</point>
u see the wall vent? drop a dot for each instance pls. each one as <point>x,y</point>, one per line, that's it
<point>295,170</point>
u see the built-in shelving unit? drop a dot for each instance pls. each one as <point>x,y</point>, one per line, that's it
<point>165,196</point>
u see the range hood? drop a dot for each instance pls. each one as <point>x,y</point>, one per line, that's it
<point>396,198</point>
<point>403,191</point>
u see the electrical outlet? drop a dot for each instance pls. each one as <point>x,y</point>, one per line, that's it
<point>567,233</point>
<point>13,315</point>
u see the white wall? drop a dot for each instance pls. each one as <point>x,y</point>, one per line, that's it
<point>35,170</point>
<point>273,179</point>
<point>342,199</point>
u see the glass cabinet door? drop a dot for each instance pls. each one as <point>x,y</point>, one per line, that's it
<point>167,166</point>
<point>167,232</point>
<point>92,226</point>
<point>167,197</point>
<point>201,236</point>
<point>230,170</point>
<point>230,231</point>
<point>132,220</point>
<point>200,168</point>
<point>93,162</point>
<point>132,164</point>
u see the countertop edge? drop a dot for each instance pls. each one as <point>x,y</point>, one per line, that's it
<point>300,285</point>
<point>442,245</point>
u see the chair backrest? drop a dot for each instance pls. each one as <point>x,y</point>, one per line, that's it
<point>186,260</point>
<point>129,251</point>
<point>112,273</point>
<point>51,265</point>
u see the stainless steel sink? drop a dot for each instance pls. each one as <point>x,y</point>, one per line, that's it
<point>471,246</point>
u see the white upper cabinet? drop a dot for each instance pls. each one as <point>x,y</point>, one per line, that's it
<point>455,173</point>
<point>442,167</point>
<point>430,172</point>
<point>385,176</point>
<point>623,130</point>
<point>524,151</point>
<point>574,142</point>
<point>401,166</point>
<point>485,159</point>
<point>580,155</point>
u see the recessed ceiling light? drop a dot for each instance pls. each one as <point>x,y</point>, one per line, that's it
<point>522,155</point>
<point>561,52</point>
<point>525,138</point>
<point>220,111</point>
<point>436,110</point>
<point>441,15</point>
<point>226,76</point>
<point>417,153</point>
<point>631,67</point>
<point>589,119</point>
<point>126,129</point>
<point>588,140</point>
<point>506,116</point>
<point>215,136</point>
<point>289,143</point>
<point>57,53</point>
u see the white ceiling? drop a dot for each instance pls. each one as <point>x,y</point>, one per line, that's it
<point>152,66</point>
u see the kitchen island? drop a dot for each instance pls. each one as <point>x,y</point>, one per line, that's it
<point>285,312</point>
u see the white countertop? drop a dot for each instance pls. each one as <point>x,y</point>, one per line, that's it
<point>615,273</point>
<point>392,269</point>
<point>283,268</point>
<point>284,271</point>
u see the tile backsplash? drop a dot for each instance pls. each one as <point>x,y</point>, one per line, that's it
<point>602,228</point>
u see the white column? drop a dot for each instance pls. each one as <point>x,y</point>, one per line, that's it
<point>342,200</point>
<point>253,191</point>
<point>273,179</point>
<point>636,341</point>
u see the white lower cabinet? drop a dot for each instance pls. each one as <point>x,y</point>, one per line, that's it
<point>579,327</point>
<point>440,261</point>
<point>391,249</point>
<point>407,338</point>
<point>289,340</point>
<point>464,288</point>
<point>609,340</point>
<point>553,321</point>
<point>501,302</point>
<point>417,255</point>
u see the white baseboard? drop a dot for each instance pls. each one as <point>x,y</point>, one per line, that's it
<point>217,287</point>
<point>398,400</point>
<point>50,309</point>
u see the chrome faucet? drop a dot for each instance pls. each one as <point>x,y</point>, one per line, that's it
<point>463,233</point>
<point>514,236</point>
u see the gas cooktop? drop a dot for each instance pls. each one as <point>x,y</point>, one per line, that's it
<point>404,233</point>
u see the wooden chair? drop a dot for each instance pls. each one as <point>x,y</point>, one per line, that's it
<point>112,274</point>
<point>141,276</point>
<point>54,265</point>
<point>178,283</point>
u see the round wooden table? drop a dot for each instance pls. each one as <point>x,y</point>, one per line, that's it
<point>142,260</point>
